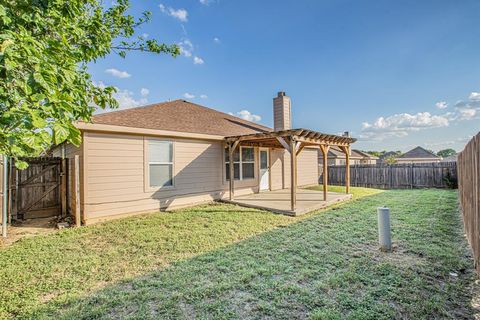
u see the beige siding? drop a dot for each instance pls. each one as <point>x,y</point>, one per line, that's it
<point>69,151</point>
<point>307,167</point>
<point>276,168</point>
<point>116,176</point>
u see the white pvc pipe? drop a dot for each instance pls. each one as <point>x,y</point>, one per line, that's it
<point>5,196</point>
<point>384,233</point>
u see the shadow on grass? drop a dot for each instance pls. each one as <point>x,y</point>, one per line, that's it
<point>326,266</point>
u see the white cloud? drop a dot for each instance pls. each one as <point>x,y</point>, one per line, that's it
<point>203,96</point>
<point>144,92</point>
<point>441,105</point>
<point>187,95</point>
<point>247,115</point>
<point>117,73</point>
<point>474,96</point>
<point>180,14</point>
<point>216,40</point>
<point>126,99</point>
<point>207,2</point>
<point>145,35</point>
<point>198,60</point>
<point>467,113</point>
<point>399,125</point>
<point>186,47</point>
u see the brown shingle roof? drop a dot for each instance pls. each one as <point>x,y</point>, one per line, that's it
<point>182,116</point>
<point>419,152</point>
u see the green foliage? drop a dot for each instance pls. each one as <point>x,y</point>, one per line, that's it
<point>390,159</point>
<point>446,153</point>
<point>45,87</point>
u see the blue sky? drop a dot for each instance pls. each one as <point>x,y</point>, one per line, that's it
<point>394,73</point>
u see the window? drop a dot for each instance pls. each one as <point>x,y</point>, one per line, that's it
<point>160,163</point>
<point>243,163</point>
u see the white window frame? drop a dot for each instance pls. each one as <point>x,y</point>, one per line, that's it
<point>148,187</point>
<point>240,164</point>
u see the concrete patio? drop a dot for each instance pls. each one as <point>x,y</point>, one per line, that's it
<point>278,201</point>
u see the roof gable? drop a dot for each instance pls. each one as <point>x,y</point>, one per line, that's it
<point>181,116</point>
<point>418,152</point>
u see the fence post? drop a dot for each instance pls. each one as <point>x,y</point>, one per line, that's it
<point>78,221</point>
<point>4,196</point>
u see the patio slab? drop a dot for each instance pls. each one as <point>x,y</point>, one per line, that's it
<point>278,201</point>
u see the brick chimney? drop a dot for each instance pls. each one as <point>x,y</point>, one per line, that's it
<point>282,112</point>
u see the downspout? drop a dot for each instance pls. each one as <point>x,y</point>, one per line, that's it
<point>4,196</point>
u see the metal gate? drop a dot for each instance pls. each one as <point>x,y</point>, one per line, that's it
<point>40,190</point>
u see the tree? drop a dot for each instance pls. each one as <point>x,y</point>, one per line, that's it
<point>45,46</point>
<point>446,153</point>
<point>392,159</point>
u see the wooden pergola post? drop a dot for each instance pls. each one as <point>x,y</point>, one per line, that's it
<point>325,149</point>
<point>346,150</point>
<point>293,178</point>
<point>231,150</point>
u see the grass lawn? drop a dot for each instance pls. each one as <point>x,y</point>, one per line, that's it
<point>223,261</point>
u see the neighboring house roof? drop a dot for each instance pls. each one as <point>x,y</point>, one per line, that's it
<point>365,154</point>
<point>419,153</point>
<point>335,152</point>
<point>182,116</point>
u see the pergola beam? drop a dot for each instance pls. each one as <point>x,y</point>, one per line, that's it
<point>300,147</point>
<point>284,143</point>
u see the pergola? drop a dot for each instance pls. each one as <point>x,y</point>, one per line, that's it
<point>294,141</point>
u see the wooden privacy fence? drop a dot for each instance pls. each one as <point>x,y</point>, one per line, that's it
<point>38,191</point>
<point>397,176</point>
<point>469,193</point>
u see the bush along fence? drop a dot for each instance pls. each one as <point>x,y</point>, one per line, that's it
<point>468,189</point>
<point>397,176</point>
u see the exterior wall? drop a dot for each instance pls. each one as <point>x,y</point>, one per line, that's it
<point>277,168</point>
<point>116,171</point>
<point>69,151</point>
<point>416,160</point>
<point>280,171</point>
<point>307,167</point>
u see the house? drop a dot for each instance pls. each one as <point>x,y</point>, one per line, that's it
<point>336,157</point>
<point>452,158</point>
<point>175,154</point>
<point>418,155</point>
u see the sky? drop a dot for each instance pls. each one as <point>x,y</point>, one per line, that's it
<point>395,74</point>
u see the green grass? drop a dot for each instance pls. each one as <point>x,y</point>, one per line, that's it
<point>355,191</point>
<point>222,261</point>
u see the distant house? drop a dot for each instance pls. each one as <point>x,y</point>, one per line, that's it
<point>336,157</point>
<point>418,155</point>
<point>452,158</point>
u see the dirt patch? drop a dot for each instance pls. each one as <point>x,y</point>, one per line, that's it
<point>28,228</point>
